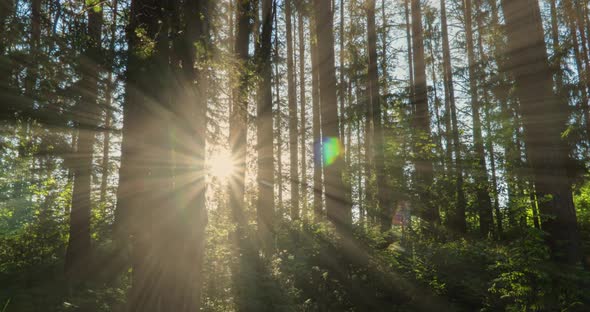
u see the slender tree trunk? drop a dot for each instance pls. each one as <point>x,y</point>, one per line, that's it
<point>543,121</point>
<point>293,164</point>
<point>108,114</point>
<point>377,134</point>
<point>556,48</point>
<point>79,243</point>
<point>431,49</point>
<point>409,44</point>
<point>265,130</point>
<point>337,207</point>
<point>342,85</point>
<point>480,173</point>
<point>489,145</point>
<point>369,146</point>
<point>239,115</point>
<point>303,112</point>
<point>583,82</point>
<point>423,162</point>
<point>278,118</point>
<point>583,44</point>
<point>316,124</point>
<point>458,218</point>
<point>385,80</point>
<point>362,206</point>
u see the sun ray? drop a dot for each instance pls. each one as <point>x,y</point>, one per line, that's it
<point>221,164</point>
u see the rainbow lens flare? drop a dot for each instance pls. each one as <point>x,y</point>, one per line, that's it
<point>331,148</point>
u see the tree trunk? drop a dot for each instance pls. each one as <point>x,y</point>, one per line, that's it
<point>292,96</point>
<point>480,173</point>
<point>543,121</point>
<point>79,243</point>
<point>337,207</point>
<point>265,137</point>
<point>583,41</point>
<point>132,217</point>
<point>458,219</point>
<point>409,44</point>
<point>316,124</point>
<point>110,85</point>
<point>278,117</point>
<point>439,132</point>
<point>184,250</point>
<point>423,161</point>
<point>385,213</point>
<point>239,115</point>
<point>303,112</point>
<point>342,85</point>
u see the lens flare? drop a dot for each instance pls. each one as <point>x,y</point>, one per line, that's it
<point>330,149</point>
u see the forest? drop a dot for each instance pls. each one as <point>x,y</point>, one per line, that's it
<point>294,155</point>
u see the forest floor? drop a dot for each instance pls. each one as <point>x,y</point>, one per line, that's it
<point>316,270</point>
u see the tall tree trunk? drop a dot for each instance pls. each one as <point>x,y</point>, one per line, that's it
<point>265,135</point>
<point>133,216</point>
<point>458,218</point>
<point>292,96</point>
<point>87,111</point>
<point>556,49</point>
<point>184,249</point>
<point>543,121</point>
<point>110,85</point>
<point>385,73</point>
<point>303,112</point>
<point>369,163</point>
<point>439,132</point>
<point>578,57</point>
<point>246,254</point>
<point>423,162</point>
<point>316,123</point>
<point>583,44</point>
<point>489,144</point>
<point>480,173</point>
<point>409,44</point>
<point>337,207</point>
<point>239,115</point>
<point>278,117</point>
<point>342,85</point>
<point>385,212</point>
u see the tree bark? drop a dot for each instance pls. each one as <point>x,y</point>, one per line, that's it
<point>239,115</point>
<point>458,218</point>
<point>303,112</point>
<point>78,252</point>
<point>337,207</point>
<point>423,161</point>
<point>480,173</point>
<point>292,96</point>
<point>385,213</point>
<point>316,124</point>
<point>265,134</point>
<point>543,121</point>
<point>106,145</point>
<point>278,117</point>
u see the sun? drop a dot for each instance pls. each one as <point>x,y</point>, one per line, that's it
<point>221,164</point>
